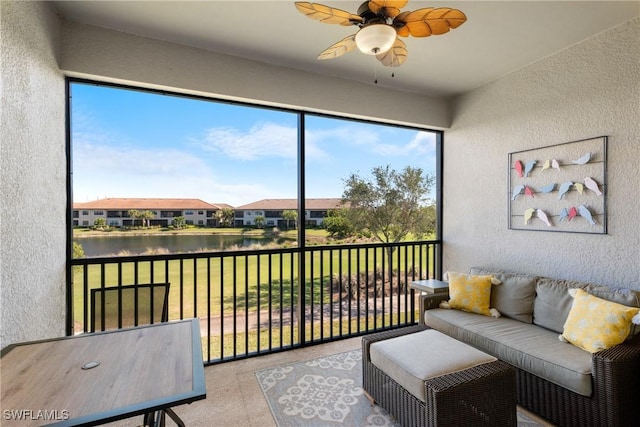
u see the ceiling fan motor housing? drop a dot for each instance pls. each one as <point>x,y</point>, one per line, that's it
<point>365,12</point>
<point>370,17</point>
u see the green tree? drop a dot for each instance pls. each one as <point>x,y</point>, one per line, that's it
<point>134,214</point>
<point>146,217</point>
<point>428,213</point>
<point>259,221</point>
<point>337,223</point>
<point>100,224</point>
<point>290,216</point>
<point>390,205</point>
<point>178,222</point>
<point>226,217</point>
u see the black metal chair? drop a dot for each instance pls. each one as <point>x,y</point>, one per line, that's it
<point>133,305</point>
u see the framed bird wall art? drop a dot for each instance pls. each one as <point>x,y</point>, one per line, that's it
<point>560,188</point>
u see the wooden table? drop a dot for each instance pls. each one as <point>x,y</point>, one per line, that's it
<point>141,370</point>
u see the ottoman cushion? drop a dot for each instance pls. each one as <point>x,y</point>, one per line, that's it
<point>411,359</point>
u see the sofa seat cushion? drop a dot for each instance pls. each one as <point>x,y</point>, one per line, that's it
<point>411,359</point>
<point>525,346</point>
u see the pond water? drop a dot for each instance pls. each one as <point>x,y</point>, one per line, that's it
<point>135,245</point>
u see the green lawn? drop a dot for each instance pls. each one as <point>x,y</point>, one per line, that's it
<point>223,346</point>
<point>218,284</point>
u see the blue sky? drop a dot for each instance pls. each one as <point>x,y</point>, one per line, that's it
<point>138,144</point>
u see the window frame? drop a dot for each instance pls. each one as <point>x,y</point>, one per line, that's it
<point>301,115</point>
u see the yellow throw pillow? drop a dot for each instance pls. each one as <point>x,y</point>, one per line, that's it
<point>470,293</point>
<point>595,324</point>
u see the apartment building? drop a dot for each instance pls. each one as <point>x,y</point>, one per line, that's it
<point>116,211</point>
<point>272,211</point>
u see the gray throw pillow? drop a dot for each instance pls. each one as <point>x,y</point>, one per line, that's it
<point>553,302</point>
<point>513,298</point>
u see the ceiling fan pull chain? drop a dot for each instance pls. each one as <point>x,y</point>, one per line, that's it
<point>375,72</point>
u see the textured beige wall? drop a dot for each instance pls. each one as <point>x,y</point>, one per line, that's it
<point>588,90</point>
<point>98,53</point>
<point>32,175</point>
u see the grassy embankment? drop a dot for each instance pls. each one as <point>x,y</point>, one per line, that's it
<point>217,285</point>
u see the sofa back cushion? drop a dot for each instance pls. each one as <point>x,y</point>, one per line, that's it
<point>553,302</point>
<point>514,298</point>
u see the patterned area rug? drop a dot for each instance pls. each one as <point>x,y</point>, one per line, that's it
<point>327,391</point>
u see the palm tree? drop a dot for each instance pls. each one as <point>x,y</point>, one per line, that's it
<point>100,224</point>
<point>225,217</point>
<point>290,216</point>
<point>229,216</point>
<point>147,216</point>
<point>178,222</point>
<point>134,214</point>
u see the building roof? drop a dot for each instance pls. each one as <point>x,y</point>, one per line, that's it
<point>181,204</point>
<point>147,203</point>
<point>291,204</point>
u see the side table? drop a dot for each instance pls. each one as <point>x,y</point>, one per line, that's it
<point>430,287</point>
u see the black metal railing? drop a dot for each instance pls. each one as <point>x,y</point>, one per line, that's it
<point>250,302</point>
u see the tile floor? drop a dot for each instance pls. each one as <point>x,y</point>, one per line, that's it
<point>234,398</point>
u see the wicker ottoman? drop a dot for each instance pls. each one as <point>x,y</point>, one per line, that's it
<point>425,378</point>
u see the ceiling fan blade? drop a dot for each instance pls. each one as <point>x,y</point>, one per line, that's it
<point>428,21</point>
<point>395,56</point>
<point>326,14</point>
<point>338,49</point>
<point>390,8</point>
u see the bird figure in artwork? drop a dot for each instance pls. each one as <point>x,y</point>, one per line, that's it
<point>586,214</point>
<point>546,165</point>
<point>582,160</point>
<point>564,214</point>
<point>528,191</point>
<point>518,167</point>
<point>555,164</point>
<point>517,190</point>
<point>572,213</point>
<point>527,215</point>
<point>592,185</point>
<point>529,167</point>
<point>547,188</point>
<point>543,217</point>
<point>564,187</point>
<point>579,187</point>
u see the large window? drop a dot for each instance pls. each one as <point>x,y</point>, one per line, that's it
<point>341,155</point>
<point>153,156</point>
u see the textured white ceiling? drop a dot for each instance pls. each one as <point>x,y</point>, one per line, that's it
<point>498,38</point>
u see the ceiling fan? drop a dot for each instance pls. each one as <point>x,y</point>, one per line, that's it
<point>380,23</point>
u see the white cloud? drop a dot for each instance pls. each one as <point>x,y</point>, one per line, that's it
<point>371,139</point>
<point>106,164</point>
<point>102,170</point>
<point>265,140</point>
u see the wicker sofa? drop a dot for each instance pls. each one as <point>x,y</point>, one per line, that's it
<point>557,380</point>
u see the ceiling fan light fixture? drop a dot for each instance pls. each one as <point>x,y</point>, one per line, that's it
<point>375,38</point>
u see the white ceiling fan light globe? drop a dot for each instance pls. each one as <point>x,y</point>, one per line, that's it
<point>375,38</point>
